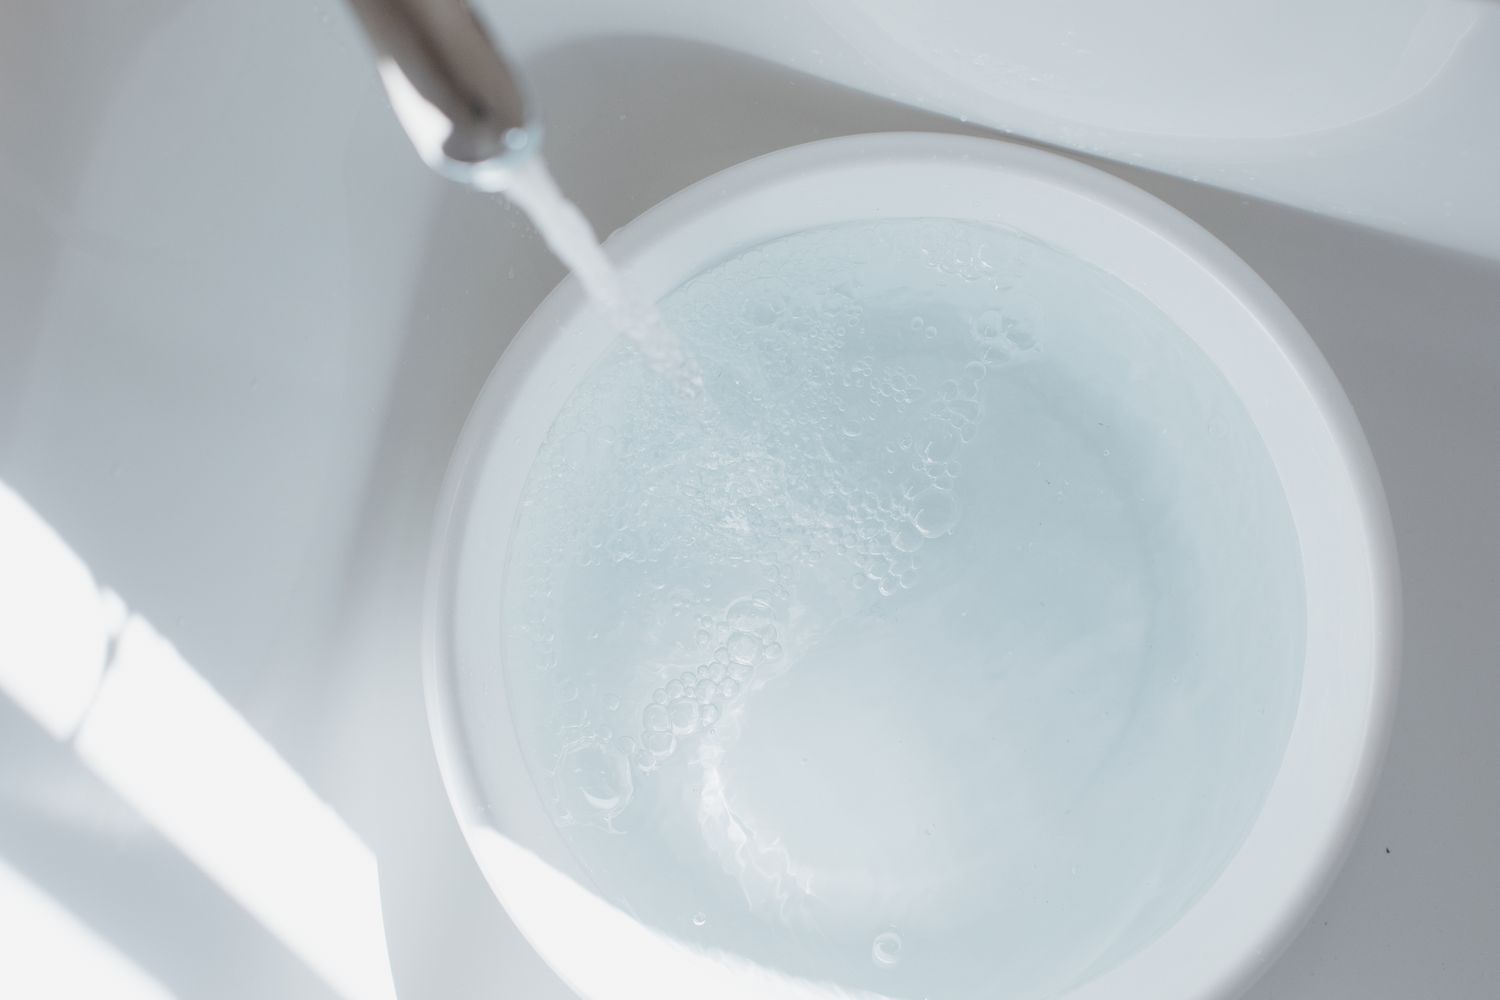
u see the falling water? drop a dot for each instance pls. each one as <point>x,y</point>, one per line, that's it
<point>573,240</point>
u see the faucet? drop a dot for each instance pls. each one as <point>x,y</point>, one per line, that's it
<point>453,92</point>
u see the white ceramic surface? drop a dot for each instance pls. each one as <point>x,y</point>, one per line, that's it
<point>1336,501</point>
<point>242,326</point>
<point>1374,112</point>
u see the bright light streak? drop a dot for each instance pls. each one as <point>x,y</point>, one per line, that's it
<point>606,954</point>
<point>54,621</point>
<point>47,954</point>
<point>145,722</point>
<point>426,126</point>
<point>190,764</point>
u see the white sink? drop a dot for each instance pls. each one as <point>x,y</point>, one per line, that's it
<point>244,325</point>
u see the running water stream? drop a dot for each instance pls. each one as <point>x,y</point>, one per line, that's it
<point>570,236</point>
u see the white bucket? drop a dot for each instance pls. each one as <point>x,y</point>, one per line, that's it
<point>1314,804</point>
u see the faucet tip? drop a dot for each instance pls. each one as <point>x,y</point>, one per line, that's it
<point>451,88</point>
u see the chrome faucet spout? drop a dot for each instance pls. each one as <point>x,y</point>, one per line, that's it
<point>453,91</point>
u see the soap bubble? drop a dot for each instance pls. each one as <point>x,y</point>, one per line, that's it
<point>655,719</point>
<point>886,949</point>
<point>936,512</point>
